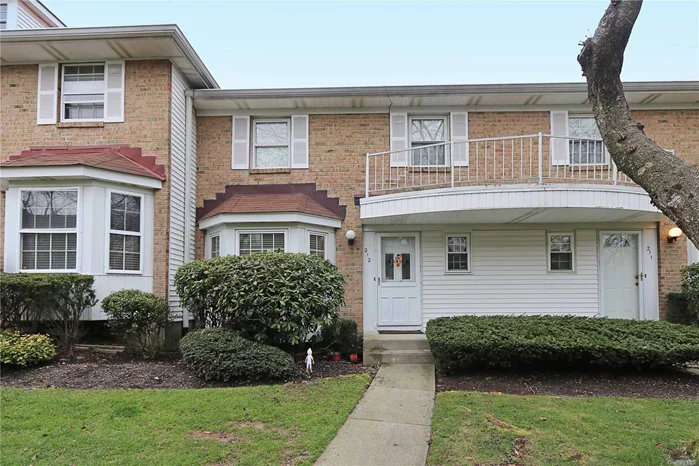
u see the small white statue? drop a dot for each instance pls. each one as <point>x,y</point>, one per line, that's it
<point>309,360</point>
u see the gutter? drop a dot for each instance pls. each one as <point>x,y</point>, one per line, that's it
<point>171,31</point>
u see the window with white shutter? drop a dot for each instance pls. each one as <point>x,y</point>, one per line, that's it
<point>93,92</point>
<point>47,95</point>
<point>559,146</point>
<point>299,141</point>
<point>399,139</point>
<point>459,136</point>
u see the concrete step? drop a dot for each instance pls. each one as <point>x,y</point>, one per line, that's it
<point>395,342</point>
<point>410,356</point>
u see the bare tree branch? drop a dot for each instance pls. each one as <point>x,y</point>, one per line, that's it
<point>673,184</point>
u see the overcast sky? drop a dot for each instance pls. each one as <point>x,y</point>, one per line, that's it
<point>308,44</point>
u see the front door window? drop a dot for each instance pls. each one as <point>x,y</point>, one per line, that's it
<point>397,259</point>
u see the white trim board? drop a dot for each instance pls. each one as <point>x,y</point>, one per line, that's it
<point>265,217</point>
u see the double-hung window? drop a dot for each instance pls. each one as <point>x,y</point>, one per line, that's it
<point>271,143</point>
<point>561,252</point>
<point>458,253</point>
<point>255,242</point>
<point>215,246</point>
<point>317,244</point>
<point>83,92</point>
<point>49,233</point>
<point>428,131</point>
<point>125,232</point>
<point>584,151</point>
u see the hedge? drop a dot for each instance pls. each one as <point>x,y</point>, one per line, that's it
<point>222,354</point>
<point>23,350</point>
<point>466,342</point>
<point>274,298</point>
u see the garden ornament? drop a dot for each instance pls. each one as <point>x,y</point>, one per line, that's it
<point>309,360</point>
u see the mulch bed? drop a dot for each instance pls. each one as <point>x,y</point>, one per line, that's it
<point>100,371</point>
<point>658,384</point>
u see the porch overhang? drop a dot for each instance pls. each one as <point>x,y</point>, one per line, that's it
<point>512,204</point>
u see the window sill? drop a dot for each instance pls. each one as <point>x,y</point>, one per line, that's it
<point>263,171</point>
<point>80,124</point>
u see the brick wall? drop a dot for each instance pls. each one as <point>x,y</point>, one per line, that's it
<point>338,145</point>
<point>678,130</point>
<point>146,125</point>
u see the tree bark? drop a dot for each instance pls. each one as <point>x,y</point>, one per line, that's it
<point>673,184</point>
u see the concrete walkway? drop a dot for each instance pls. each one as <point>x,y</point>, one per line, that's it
<point>391,423</point>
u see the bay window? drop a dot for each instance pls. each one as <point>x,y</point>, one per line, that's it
<point>125,232</point>
<point>316,244</point>
<point>256,242</point>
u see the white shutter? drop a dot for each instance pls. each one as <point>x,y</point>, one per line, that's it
<point>114,91</point>
<point>459,134</point>
<point>299,141</point>
<point>399,139</point>
<point>241,143</point>
<point>47,94</point>
<point>559,146</point>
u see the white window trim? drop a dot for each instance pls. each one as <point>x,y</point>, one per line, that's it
<point>468,252</point>
<point>325,241</point>
<point>607,160</point>
<point>255,145</point>
<point>572,250</point>
<point>104,93</point>
<point>108,230</point>
<point>447,155</point>
<point>285,231</point>
<point>210,238</point>
<point>77,230</point>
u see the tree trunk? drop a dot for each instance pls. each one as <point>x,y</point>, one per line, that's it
<point>673,184</point>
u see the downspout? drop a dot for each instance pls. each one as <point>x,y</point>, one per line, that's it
<point>187,192</point>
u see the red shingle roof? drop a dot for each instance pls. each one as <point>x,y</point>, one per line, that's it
<point>255,203</point>
<point>117,158</point>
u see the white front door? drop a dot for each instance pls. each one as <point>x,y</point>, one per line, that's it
<point>620,274</point>
<point>399,289</point>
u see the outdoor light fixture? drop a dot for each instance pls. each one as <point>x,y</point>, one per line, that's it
<point>673,234</point>
<point>350,235</point>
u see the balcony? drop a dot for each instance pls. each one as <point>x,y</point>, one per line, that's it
<point>529,159</point>
<point>534,178</point>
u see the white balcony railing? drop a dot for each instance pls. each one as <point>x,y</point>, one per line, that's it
<point>487,161</point>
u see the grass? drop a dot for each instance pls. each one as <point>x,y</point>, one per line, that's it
<point>494,429</point>
<point>244,426</point>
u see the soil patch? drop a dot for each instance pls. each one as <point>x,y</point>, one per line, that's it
<point>222,436</point>
<point>656,384</point>
<point>88,370</point>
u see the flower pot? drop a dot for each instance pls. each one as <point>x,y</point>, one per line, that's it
<point>335,357</point>
<point>354,357</point>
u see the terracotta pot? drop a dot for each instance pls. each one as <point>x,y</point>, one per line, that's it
<point>354,357</point>
<point>335,357</point>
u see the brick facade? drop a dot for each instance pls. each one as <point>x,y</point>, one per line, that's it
<point>338,145</point>
<point>146,125</point>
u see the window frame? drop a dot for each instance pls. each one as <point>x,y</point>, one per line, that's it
<point>254,145</point>
<point>572,251</point>
<point>62,91</point>
<point>284,231</point>
<point>77,230</point>
<point>469,253</point>
<point>3,22</point>
<point>605,152</point>
<point>324,235</point>
<point>109,231</point>
<point>210,240</point>
<point>447,155</point>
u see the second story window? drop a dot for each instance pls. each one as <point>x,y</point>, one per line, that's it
<point>83,92</point>
<point>583,151</point>
<point>3,15</point>
<point>426,132</point>
<point>271,144</point>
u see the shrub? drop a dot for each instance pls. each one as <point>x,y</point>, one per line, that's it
<point>58,300</point>
<point>22,350</point>
<point>460,343</point>
<point>690,278</point>
<point>138,317</point>
<point>679,310</point>
<point>222,354</point>
<point>277,298</point>
<point>340,336</point>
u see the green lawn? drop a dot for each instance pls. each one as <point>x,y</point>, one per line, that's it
<point>249,425</point>
<point>492,429</point>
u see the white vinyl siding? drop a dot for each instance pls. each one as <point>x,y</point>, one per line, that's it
<point>27,19</point>
<point>510,276</point>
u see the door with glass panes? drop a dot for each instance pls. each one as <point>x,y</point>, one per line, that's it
<point>399,288</point>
